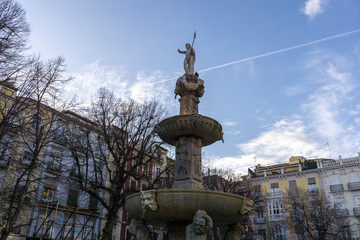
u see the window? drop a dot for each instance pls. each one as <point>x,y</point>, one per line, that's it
<point>312,185</point>
<point>293,188</point>
<point>4,151</point>
<point>54,163</point>
<point>262,234</point>
<point>157,172</point>
<point>93,202</point>
<point>274,187</point>
<point>99,152</point>
<point>346,232</point>
<point>275,208</point>
<point>35,121</point>
<point>27,157</point>
<point>49,192</point>
<point>335,183</point>
<point>257,194</point>
<point>81,141</point>
<point>133,185</point>
<point>145,171</point>
<point>60,134</point>
<point>354,177</point>
<point>260,212</point>
<point>73,197</point>
<point>278,232</point>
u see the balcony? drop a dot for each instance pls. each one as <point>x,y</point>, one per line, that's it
<point>354,185</point>
<point>274,195</point>
<point>336,187</point>
<point>357,211</point>
<point>278,217</point>
<point>344,212</point>
<point>314,192</point>
<point>260,220</point>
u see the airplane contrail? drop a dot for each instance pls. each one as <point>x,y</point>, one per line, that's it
<point>269,53</point>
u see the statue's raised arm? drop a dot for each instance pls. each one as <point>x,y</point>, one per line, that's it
<point>189,60</point>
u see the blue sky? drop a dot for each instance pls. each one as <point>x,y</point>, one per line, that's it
<point>277,105</point>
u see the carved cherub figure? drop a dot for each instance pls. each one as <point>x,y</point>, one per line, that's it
<point>235,232</point>
<point>138,229</point>
<point>201,225</point>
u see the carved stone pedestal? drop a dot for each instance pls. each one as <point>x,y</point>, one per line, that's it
<point>188,163</point>
<point>189,104</point>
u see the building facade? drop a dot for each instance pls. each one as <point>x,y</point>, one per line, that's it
<point>46,179</point>
<point>277,187</point>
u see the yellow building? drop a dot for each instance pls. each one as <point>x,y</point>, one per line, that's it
<point>275,183</point>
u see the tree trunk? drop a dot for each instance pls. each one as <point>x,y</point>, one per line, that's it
<point>109,225</point>
<point>4,234</point>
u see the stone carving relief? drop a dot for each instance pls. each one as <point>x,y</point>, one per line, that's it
<point>199,228</point>
<point>188,158</point>
<point>148,201</point>
<point>182,158</point>
<point>189,84</point>
<point>246,207</point>
<point>197,157</point>
<point>138,229</point>
<point>235,232</point>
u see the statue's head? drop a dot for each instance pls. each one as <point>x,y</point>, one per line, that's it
<point>202,223</point>
<point>199,226</point>
<point>238,228</point>
<point>188,46</point>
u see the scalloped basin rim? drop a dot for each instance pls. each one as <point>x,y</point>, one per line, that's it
<point>181,204</point>
<point>196,125</point>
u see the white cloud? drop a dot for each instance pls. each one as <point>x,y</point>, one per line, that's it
<point>229,123</point>
<point>328,112</point>
<point>313,8</point>
<point>285,138</point>
<point>94,76</point>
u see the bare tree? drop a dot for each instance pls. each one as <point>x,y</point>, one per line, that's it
<point>224,180</point>
<point>14,32</point>
<point>315,215</point>
<point>113,149</point>
<point>35,130</point>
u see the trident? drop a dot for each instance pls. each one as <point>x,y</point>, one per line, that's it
<point>193,39</point>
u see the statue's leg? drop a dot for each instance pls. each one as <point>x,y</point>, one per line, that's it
<point>191,65</point>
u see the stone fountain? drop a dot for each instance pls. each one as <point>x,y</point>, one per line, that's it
<point>187,210</point>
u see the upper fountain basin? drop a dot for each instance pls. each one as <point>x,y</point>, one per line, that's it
<point>194,125</point>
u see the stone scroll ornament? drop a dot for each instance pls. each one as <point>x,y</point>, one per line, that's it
<point>139,230</point>
<point>199,228</point>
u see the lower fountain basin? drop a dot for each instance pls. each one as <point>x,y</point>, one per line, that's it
<point>179,205</point>
<point>194,125</point>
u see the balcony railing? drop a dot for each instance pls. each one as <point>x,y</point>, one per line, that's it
<point>274,194</point>
<point>357,211</point>
<point>278,217</point>
<point>313,191</point>
<point>354,185</point>
<point>260,220</point>
<point>344,212</point>
<point>336,187</point>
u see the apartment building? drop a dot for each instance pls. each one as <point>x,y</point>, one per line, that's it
<point>54,204</point>
<point>274,185</point>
